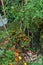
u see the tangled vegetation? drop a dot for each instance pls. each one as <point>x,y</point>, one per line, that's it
<point>21,39</point>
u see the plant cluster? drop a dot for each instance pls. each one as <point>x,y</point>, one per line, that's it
<point>27,18</point>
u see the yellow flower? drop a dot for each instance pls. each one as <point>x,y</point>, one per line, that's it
<point>25,63</point>
<point>22,45</point>
<point>20,57</point>
<point>10,64</point>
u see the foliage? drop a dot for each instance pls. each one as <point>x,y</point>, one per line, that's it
<point>8,58</point>
<point>26,13</point>
<point>23,14</point>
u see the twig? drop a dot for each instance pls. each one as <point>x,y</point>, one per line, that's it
<point>5,29</point>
